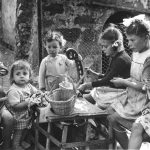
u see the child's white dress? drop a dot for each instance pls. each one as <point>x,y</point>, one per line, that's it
<point>51,68</point>
<point>129,106</point>
<point>144,119</point>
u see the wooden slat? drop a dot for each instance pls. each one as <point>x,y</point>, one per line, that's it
<point>85,111</point>
<point>84,143</point>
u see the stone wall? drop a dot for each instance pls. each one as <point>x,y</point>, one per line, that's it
<point>19,23</point>
<point>8,9</point>
<point>130,5</point>
<point>80,21</point>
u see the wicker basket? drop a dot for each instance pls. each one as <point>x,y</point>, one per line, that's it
<point>62,101</point>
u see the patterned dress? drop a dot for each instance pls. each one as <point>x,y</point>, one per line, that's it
<point>130,105</point>
<point>18,95</point>
<point>144,119</point>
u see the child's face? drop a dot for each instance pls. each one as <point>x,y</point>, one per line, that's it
<point>21,76</point>
<point>137,43</point>
<point>52,48</point>
<point>107,47</point>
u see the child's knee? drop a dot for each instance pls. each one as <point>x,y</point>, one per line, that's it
<point>110,110</point>
<point>112,119</point>
<point>137,129</point>
<point>7,118</point>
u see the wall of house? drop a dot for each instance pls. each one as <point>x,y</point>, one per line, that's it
<point>8,9</point>
<point>136,5</point>
<point>19,24</point>
<point>26,32</point>
<point>80,21</point>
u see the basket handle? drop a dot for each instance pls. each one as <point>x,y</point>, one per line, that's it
<point>71,80</point>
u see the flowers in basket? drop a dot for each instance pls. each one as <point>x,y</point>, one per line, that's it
<point>65,85</point>
<point>39,99</point>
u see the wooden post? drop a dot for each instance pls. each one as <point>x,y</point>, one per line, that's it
<point>39,12</point>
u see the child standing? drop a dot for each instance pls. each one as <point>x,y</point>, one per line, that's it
<point>19,99</point>
<point>54,65</point>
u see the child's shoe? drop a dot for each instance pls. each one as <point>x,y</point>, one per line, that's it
<point>25,145</point>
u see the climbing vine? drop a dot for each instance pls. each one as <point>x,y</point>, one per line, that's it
<point>24,28</point>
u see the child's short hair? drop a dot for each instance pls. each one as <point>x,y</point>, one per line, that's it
<point>19,65</point>
<point>54,35</point>
<point>112,34</point>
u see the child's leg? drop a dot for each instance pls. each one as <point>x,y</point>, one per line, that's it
<point>136,139</point>
<point>8,124</point>
<point>24,138</point>
<point>17,139</point>
<point>24,134</point>
<point>117,123</point>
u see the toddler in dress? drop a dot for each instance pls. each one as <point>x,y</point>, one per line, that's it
<point>20,99</point>
<point>54,66</point>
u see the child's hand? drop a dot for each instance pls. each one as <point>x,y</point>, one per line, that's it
<point>35,99</point>
<point>91,74</point>
<point>27,99</point>
<point>84,86</point>
<point>145,111</point>
<point>29,102</point>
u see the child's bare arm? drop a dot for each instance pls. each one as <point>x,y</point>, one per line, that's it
<point>93,74</point>
<point>3,99</point>
<point>14,101</point>
<point>41,81</point>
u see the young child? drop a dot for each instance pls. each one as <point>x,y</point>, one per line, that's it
<point>54,65</point>
<point>103,92</point>
<point>127,108</point>
<point>141,127</point>
<point>20,99</point>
